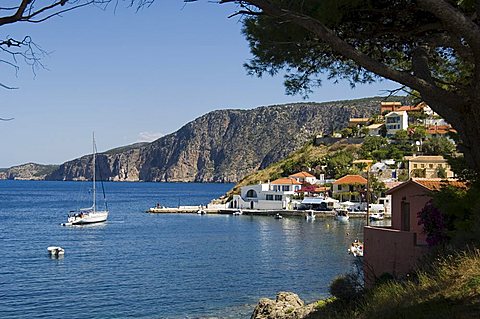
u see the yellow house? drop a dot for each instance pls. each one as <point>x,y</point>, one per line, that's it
<point>432,166</point>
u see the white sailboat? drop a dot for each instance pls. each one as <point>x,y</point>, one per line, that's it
<point>89,215</point>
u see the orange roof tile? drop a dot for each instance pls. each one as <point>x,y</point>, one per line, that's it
<point>286,181</point>
<point>435,184</point>
<point>351,179</point>
<point>432,184</point>
<point>302,174</point>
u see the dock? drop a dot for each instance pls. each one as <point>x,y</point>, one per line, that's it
<point>248,212</point>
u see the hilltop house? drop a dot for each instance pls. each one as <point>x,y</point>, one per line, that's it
<point>272,195</point>
<point>375,129</point>
<point>349,188</point>
<point>396,121</point>
<point>387,107</point>
<point>396,249</point>
<point>304,178</point>
<point>433,166</point>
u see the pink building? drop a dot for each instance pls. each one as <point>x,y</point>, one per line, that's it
<point>396,249</point>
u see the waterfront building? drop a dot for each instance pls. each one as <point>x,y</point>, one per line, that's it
<point>269,196</point>
<point>349,188</point>
<point>396,249</point>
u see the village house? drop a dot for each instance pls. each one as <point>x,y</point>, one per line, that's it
<point>375,129</point>
<point>358,122</point>
<point>304,178</point>
<point>432,166</point>
<point>387,107</point>
<point>396,121</point>
<point>349,188</point>
<point>272,195</point>
<point>396,249</point>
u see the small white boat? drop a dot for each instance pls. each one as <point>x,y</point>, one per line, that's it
<point>237,213</point>
<point>341,215</point>
<point>376,216</point>
<point>310,215</point>
<point>56,251</point>
<point>278,216</point>
<point>201,212</point>
<point>89,215</point>
<point>356,249</point>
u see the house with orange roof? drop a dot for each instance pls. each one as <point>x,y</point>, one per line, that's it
<point>304,177</point>
<point>277,194</point>
<point>387,107</point>
<point>396,249</point>
<point>349,188</point>
<point>358,121</point>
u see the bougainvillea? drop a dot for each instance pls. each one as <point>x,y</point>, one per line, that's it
<point>434,224</point>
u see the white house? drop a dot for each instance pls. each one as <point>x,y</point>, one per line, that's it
<point>273,195</point>
<point>304,177</point>
<point>396,121</point>
<point>375,129</point>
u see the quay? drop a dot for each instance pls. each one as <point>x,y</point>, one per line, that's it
<point>248,212</point>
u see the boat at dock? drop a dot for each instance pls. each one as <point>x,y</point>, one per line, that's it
<point>376,216</point>
<point>310,215</point>
<point>341,214</point>
<point>278,216</point>
<point>89,215</point>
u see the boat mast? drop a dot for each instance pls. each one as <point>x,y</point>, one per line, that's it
<point>93,162</point>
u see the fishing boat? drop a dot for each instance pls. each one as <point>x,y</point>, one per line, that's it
<point>341,214</point>
<point>89,215</point>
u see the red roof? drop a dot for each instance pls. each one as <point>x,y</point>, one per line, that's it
<point>431,184</point>
<point>302,174</point>
<point>286,181</point>
<point>440,129</point>
<point>351,179</point>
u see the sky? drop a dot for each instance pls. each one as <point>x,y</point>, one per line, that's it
<point>132,76</point>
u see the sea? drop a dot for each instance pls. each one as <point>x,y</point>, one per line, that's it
<point>141,265</point>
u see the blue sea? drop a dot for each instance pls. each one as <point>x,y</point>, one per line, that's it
<point>139,265</point>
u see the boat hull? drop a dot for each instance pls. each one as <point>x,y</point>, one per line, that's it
<point>90,218</point>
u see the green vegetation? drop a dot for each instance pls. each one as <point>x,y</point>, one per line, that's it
<point>446,287</point>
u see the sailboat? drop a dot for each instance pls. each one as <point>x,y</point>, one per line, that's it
<point>89,215</point>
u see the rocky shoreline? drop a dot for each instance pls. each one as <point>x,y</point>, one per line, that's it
<point>287,305</point>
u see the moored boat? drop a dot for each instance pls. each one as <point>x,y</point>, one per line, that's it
<point>356,248</point>
<point>341,214</point>
<point>310,215</point>
<point>89,215</point>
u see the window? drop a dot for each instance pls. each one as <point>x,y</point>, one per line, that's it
<point>251,193</point>
<point>286,188</point>
<point>415,165</point>
<point>339,187</point>
<point>422,165</point>
<point>278,197</point>
<point>440,165</point>
<point>269,197</point>
<point>430,165</point>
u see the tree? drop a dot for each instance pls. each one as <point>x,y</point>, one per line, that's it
<point>438,146</point>
<point>32,11</point>
<point>430,46</point>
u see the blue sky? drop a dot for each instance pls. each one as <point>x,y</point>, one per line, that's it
<point>132,76</point>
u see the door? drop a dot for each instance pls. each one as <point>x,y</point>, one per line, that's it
<point>405,216</point>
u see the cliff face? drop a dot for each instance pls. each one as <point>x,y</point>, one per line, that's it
<point>222,146</point>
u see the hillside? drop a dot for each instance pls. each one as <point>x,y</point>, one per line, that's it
<point>29,171</point>
<point>222,146</point>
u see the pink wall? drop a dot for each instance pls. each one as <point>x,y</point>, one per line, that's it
<point>389,250</point>
<point>417,196</point>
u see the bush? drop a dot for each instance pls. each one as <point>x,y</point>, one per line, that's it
<point>346,287</point>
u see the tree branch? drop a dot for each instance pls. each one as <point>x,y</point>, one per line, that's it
<point>350,52</point>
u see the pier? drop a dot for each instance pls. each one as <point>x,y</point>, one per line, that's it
<point>248,212</point>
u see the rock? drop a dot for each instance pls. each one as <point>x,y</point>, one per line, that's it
<point>286,306</point>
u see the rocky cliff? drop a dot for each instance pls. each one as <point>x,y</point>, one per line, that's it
<point>222,146</point>
<point>29,171</point>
